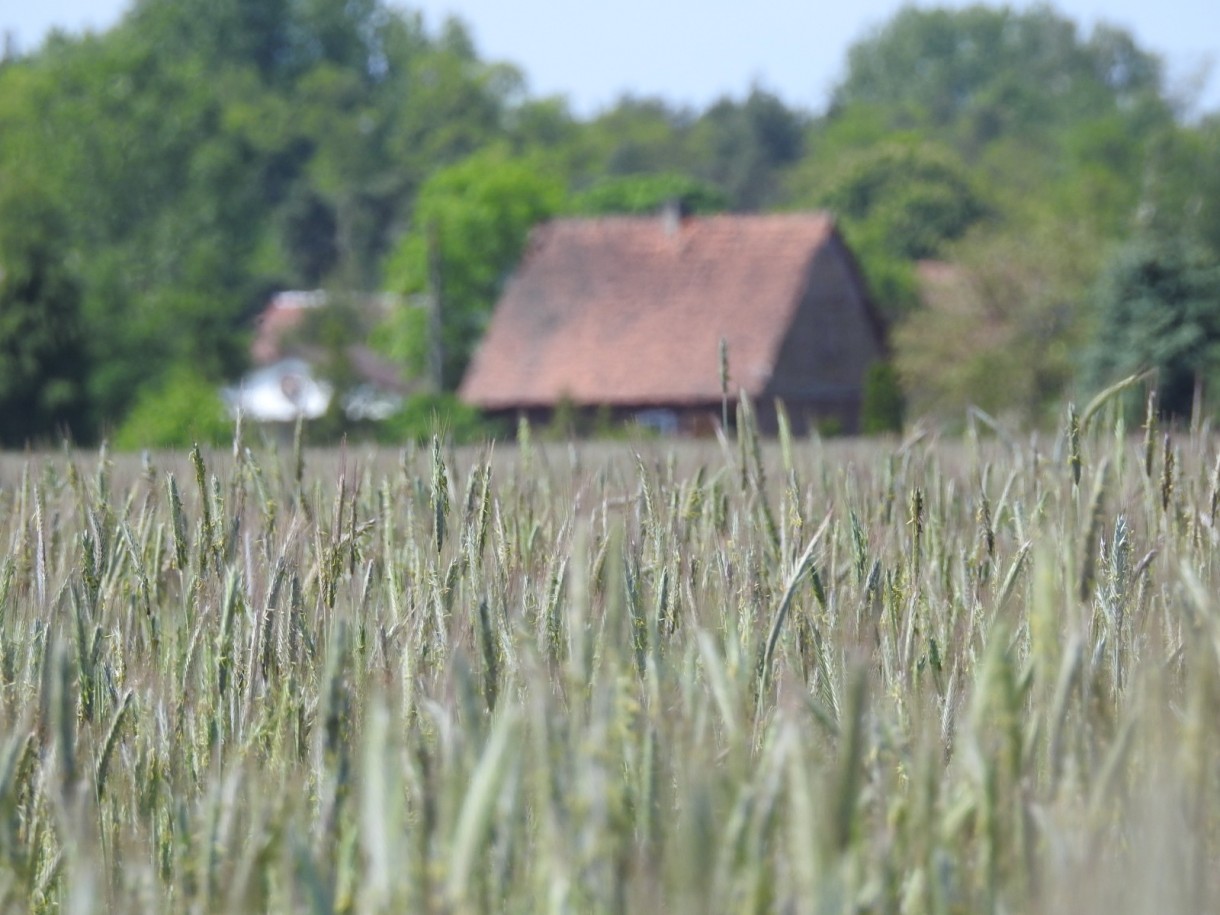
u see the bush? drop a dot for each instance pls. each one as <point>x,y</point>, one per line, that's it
<point>883,407</point>
<point>1158,305</point>
<point>423,415</point>
<point>183,409</point>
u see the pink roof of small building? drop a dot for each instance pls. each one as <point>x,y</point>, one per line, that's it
<point>283,313</point>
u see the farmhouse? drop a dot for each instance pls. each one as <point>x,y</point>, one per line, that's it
<point>628,313</point>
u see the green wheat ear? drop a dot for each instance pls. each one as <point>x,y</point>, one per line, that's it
<point>1075,462</point>
<point>1150,433</point>
<point>1089,546</point>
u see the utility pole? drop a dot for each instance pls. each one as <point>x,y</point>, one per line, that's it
<point>724,385</point>
<point>436,323</point>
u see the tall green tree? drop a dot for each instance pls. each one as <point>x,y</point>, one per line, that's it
<point>645,194</point>
<point>914,198</point>
<point>1180,193</point>
<point>471,223</point>
<point>744,147</point>
<point>203,154</point>
<point>1158,308</point>
<point>636,136</point>
<point>899,199</point>
<point>1049,118</point>
<point>987,71</point>
<point>43,360</point>
<point>1001,326</point>
<point>160,202</point>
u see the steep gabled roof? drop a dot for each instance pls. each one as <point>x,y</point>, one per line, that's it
<point>631,311</point>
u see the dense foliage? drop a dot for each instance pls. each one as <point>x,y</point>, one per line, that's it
<point>470,227</point>
<point>1160,310</point>
<point>201,154</point>
<point>42,345</point>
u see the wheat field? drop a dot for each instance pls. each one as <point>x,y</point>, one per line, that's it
<point>978,674</point>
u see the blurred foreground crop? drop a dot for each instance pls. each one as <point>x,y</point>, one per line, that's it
<point>935,677</point>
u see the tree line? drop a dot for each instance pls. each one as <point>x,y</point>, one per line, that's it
<point>159,180</point>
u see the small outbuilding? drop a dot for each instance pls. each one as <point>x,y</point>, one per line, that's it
<point>285,383</point>
<point>627,314</point>
<point>279,393</point>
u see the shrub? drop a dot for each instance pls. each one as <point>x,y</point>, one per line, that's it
<point>1158,304</point>
<point>422,415</point>
<point>183,409</point>
<point>883,407</point>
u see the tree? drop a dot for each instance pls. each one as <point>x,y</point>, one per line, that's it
<point>42,348</point>
<point>444,103</point>
<point>744,147</point>
<point>1038,111</point>
<point>899,200</point>
<point>181,409</point>
<point>990,71</point>
<point>641,194</point>
<point>882,406</point>
<point>205,151</point>
<point>1158,307</point>
<point>1180,193</point>
<point>201,153</point>
<point>471,222</point>
<point>1001,325</point>
<point>160,202</point>
<point>913,197</point>
<point>636,136</point>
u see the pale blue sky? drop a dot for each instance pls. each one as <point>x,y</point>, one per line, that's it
<point>694,51</point>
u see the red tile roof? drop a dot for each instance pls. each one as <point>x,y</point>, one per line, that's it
<point>624,311</point>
